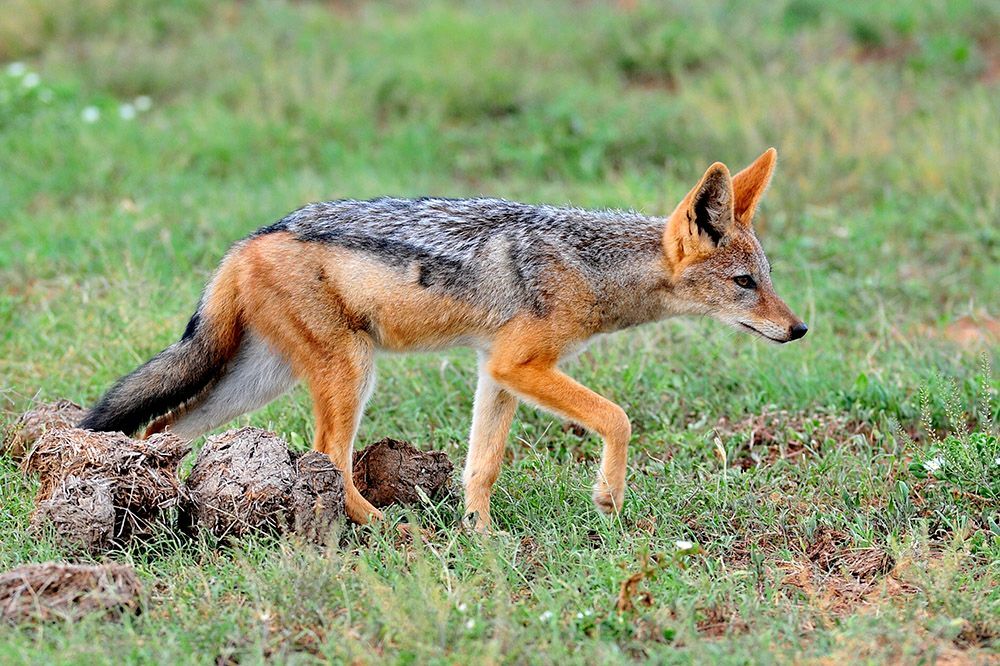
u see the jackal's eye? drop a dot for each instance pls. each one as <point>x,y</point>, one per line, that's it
<point>745,281</point>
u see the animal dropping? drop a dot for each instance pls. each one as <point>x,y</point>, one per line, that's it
<point>36,422</point>
<point>247,480</point>
<point>390,471</point>
<point>101,489</point>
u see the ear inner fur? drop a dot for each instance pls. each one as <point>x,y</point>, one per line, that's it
<point>712,207</point>
<point>750,184</point>
<point>701,220</point>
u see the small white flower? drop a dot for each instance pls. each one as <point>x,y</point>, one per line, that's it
<point>588,612</point>
<point>143,103</point>
<point>45,94</point>
<point>90,114</point>
<point>470,624</point>
<point>31,80</point>
<point>17,69</point>
<point>579,616</point>
<point>683,545</point>
<point>462,607</point>
<point>997,462</point>
<point>126,111</point>
<point>934,464</point>
<point>545,617</point>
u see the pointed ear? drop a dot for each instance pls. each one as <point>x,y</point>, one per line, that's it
<point>704,216</point>
<point>711,203</point>
<point>749,186</point>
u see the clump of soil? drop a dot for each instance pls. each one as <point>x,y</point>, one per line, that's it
<point>390,471</point>
<point>246,480</point>
<point>36,422</point>
<point>54,591</point>
<point>100,489</point>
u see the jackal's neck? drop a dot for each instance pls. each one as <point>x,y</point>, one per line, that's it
<point>638,290</point>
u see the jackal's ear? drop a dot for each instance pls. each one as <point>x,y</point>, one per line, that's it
<point>710,210</point>
<point>704,216</point>
<point>749,186</point>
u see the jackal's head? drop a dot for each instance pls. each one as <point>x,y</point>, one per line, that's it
<point>717,263</point>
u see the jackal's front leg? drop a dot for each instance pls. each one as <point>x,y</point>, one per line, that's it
<point>538,380</point>
<point>491,418</point>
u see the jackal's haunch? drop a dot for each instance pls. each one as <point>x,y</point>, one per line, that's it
<point>315,295</point>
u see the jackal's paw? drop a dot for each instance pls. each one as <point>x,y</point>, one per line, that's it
<point>360,511</point>
<point>608,500</point>
<point>478,521</point>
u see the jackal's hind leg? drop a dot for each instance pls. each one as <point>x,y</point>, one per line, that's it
<point>341,382</point>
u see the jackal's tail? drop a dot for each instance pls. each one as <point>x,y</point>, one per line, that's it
<point>182,371</point>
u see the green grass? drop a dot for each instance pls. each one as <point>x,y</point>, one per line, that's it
<point>881,225</point>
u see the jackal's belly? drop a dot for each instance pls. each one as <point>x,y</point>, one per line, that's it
<point>322,291</point>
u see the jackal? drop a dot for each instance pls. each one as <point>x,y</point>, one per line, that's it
<point>315,295</point>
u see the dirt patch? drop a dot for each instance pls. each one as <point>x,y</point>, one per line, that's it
<point>247,480</point>
<point>394,472</point>
<point>777,434</point>
<point>839,594</point>
<point>978,634</point>
<point>720,620</point>
<point>34,423</point>
<point>838,579</point>
<point>101,489</point>
<point>896,52</point>
<point>829,551</point>
<point>54,591</point>
<point>977,331</point>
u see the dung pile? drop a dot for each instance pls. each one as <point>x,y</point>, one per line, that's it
<point>390,471</point>
<point>55,591</point>
<point>100,489</point>
<point>247,480</point>
<point>36,422</point>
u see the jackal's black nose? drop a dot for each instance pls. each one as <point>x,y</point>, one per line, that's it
<point>799,330</point>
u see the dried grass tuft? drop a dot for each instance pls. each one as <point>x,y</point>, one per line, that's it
<point>56,591</point>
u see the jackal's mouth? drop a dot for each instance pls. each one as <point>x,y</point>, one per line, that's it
<point>763,335</point>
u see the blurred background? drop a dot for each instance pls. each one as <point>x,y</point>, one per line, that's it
<point>139,139</point>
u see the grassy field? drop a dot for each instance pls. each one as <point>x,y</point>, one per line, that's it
<point>139,139</point>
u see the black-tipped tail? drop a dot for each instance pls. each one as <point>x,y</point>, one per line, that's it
<point>177,374</point>
<point>183,370</point>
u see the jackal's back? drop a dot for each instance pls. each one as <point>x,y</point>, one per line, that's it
<point>496,254</point>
